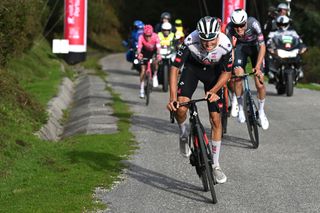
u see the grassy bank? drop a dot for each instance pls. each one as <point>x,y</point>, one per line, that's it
<point>41,176</point>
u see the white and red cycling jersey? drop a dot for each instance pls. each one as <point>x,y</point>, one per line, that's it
<point>150,46</point>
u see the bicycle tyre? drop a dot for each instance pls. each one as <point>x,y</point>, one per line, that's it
<point>251,120</point>
<point>196,161</point>
<point>205,152</point>
<point>165,77</point>
<point>148,85</point>
<point>224,117</point>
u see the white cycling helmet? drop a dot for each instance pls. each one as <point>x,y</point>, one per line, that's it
<point>239,16</point>
<point>283,22</point>
<point>208,28</point>
<point>166,26</point>
<point>283,6</point>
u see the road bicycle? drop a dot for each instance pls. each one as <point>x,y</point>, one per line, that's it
<point>201,154</point>
<point>147,78</point>
<point>250,109</point>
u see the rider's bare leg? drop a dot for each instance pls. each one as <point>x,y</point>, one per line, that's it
<point>142,73</point>
<point>238,86</point>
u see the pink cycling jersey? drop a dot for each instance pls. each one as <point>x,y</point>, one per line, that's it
<point>152,45</point>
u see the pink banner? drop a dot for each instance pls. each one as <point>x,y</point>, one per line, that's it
<point>75,24</point>
<point>228,7</point>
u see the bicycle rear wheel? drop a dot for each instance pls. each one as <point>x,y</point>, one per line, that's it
<point>251,119</point>
<point>205,154</point>
<point>147,87</point>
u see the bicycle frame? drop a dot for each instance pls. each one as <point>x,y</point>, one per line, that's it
<point>250,111</point>
<point>148,79</point>
<point>201,156</point>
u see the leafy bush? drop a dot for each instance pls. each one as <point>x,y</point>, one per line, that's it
<point>20,23</point>
<point>312,65</point>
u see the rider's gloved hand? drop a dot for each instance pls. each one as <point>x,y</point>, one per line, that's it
<point>140,56</point>
<point>159,58</point>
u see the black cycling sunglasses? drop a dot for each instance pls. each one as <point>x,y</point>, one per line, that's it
<point>239,25</point>
<point>208,37</point>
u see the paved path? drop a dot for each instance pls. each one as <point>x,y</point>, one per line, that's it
<point>283,175</point>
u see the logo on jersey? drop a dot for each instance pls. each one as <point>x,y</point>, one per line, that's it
<point>260,37</point>
<point>206,61</point>
<point>213,56</point>
<point>178,60</point>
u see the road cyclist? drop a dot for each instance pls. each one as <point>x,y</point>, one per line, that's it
<point>206,56</point>
<point>148,47</point>
<point>248,41</point>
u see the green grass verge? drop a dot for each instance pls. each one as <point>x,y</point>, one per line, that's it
<point>309,86</point>
<point>38,72</point>
<point>41,176</point>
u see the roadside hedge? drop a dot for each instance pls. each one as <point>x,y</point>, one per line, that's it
<point>20,23</point>
<point>312,65</point>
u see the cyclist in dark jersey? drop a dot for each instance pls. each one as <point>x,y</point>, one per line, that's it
<point>206,56</point>
<point>246,36</point>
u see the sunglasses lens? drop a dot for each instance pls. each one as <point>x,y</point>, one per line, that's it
<point>239,25</point>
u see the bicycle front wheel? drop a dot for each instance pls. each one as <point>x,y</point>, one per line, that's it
<point>251,119</point>
<point>205,154</point>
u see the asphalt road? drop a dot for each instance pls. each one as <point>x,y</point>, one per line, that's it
<point>282,175</point>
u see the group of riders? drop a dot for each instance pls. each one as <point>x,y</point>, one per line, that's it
<point>211,56</point>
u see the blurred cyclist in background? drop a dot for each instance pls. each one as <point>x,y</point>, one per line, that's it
<point>179,35</point>
<point>164,18</point>
<point>133,39</point>
<point>148,47</point>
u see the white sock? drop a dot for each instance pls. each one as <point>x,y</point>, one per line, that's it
<point>142,86</point>
<point>240,105</point>
<point>215,152</point>
<point>261,105</point>
<point>183,127</point>
<point>234,98</point>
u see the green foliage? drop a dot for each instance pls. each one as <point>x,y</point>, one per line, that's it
<point>38,71</point>
<point>20,24</point>
<point>312,65</point>
<point>41,176</point>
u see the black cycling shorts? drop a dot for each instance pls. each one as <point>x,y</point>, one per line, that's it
<point>148,55</point>
<point>190,77</point>
<point>241,54</point>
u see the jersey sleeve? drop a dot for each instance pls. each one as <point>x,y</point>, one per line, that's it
<point>181,56</point>
<point>140,43</point>
<point>256,26</point>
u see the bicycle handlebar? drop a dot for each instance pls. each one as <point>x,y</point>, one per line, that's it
<point>187,104</point>
<point>244,75</point>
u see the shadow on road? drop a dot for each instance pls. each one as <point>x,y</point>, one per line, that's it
<point>236,142</point>
<point>166,183</point>
<point>155,124</point>
<point>124,72</point>
<point>100,161</point>
<point>134,85</point>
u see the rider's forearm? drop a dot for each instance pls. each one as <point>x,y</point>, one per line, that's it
<point>223,79</point>
<point>173,82</point>
<point>262,52</point>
